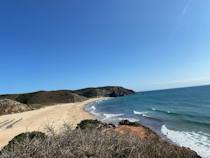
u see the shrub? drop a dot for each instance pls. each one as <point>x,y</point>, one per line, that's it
<point>93,143</point>
<point>92,124</point>
<point>22,137</point>
<point>128,123</point>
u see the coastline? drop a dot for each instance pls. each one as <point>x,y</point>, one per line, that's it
<point>145,129</point>
<point>37,120</point>
<point>71,113</point>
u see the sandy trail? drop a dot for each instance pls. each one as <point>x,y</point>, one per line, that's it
<point>36,120</point>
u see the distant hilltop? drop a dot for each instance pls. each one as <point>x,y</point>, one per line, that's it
<point>67,96</point>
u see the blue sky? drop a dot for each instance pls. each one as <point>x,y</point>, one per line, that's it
<point>71,44</point>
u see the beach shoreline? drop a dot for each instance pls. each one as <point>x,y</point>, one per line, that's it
<point>56,116</point>
<point>153,116</point>
<point>37,120</point>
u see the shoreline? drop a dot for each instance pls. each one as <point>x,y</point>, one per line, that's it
<point>57,115</point>
<point>144,132</point>
<point>159,133</point>
<point>37,120</point>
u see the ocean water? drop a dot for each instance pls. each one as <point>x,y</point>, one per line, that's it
<point>181,115</point>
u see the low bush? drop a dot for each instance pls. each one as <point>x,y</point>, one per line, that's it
<point>128,123</point>
<point>21,138</point>
<point>93,143</point>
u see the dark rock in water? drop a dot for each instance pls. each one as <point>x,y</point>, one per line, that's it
<point>8,106</point>
<point>109,91</point>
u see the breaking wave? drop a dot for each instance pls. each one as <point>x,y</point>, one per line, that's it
<point>197,141</point>
<point>143,113</point>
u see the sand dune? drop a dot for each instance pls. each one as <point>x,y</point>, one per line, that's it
<point>36,120</point>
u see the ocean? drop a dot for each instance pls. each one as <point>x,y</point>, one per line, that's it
<point>180,115</point>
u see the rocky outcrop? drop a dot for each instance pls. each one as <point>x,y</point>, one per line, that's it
<point>144,134</point>
<point>8,106</point>
<point>147,135</point>
<point>109,91</point>
<point>136,129</point>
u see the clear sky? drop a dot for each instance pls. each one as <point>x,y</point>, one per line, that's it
<point>71,44</point>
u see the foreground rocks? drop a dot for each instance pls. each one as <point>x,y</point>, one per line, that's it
<point>8,106</point>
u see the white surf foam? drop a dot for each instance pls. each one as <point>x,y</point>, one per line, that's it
<point>101,100</point>
<point>197,141</point>
<point>153,109</point>
<point>92,109</point>
<point>115,118</point>
<point>143,113</point>
<point>111,116</point>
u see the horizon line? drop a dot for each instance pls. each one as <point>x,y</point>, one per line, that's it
<point>171,88</point>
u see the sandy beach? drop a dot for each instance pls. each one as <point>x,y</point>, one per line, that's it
<point>37,120</point>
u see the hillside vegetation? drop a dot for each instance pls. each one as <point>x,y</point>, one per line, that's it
<point>66,96</point>
<point>13,103</point>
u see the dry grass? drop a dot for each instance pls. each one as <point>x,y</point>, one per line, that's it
<point>92,143</point>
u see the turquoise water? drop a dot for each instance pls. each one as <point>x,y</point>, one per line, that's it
<point>182,115</point>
